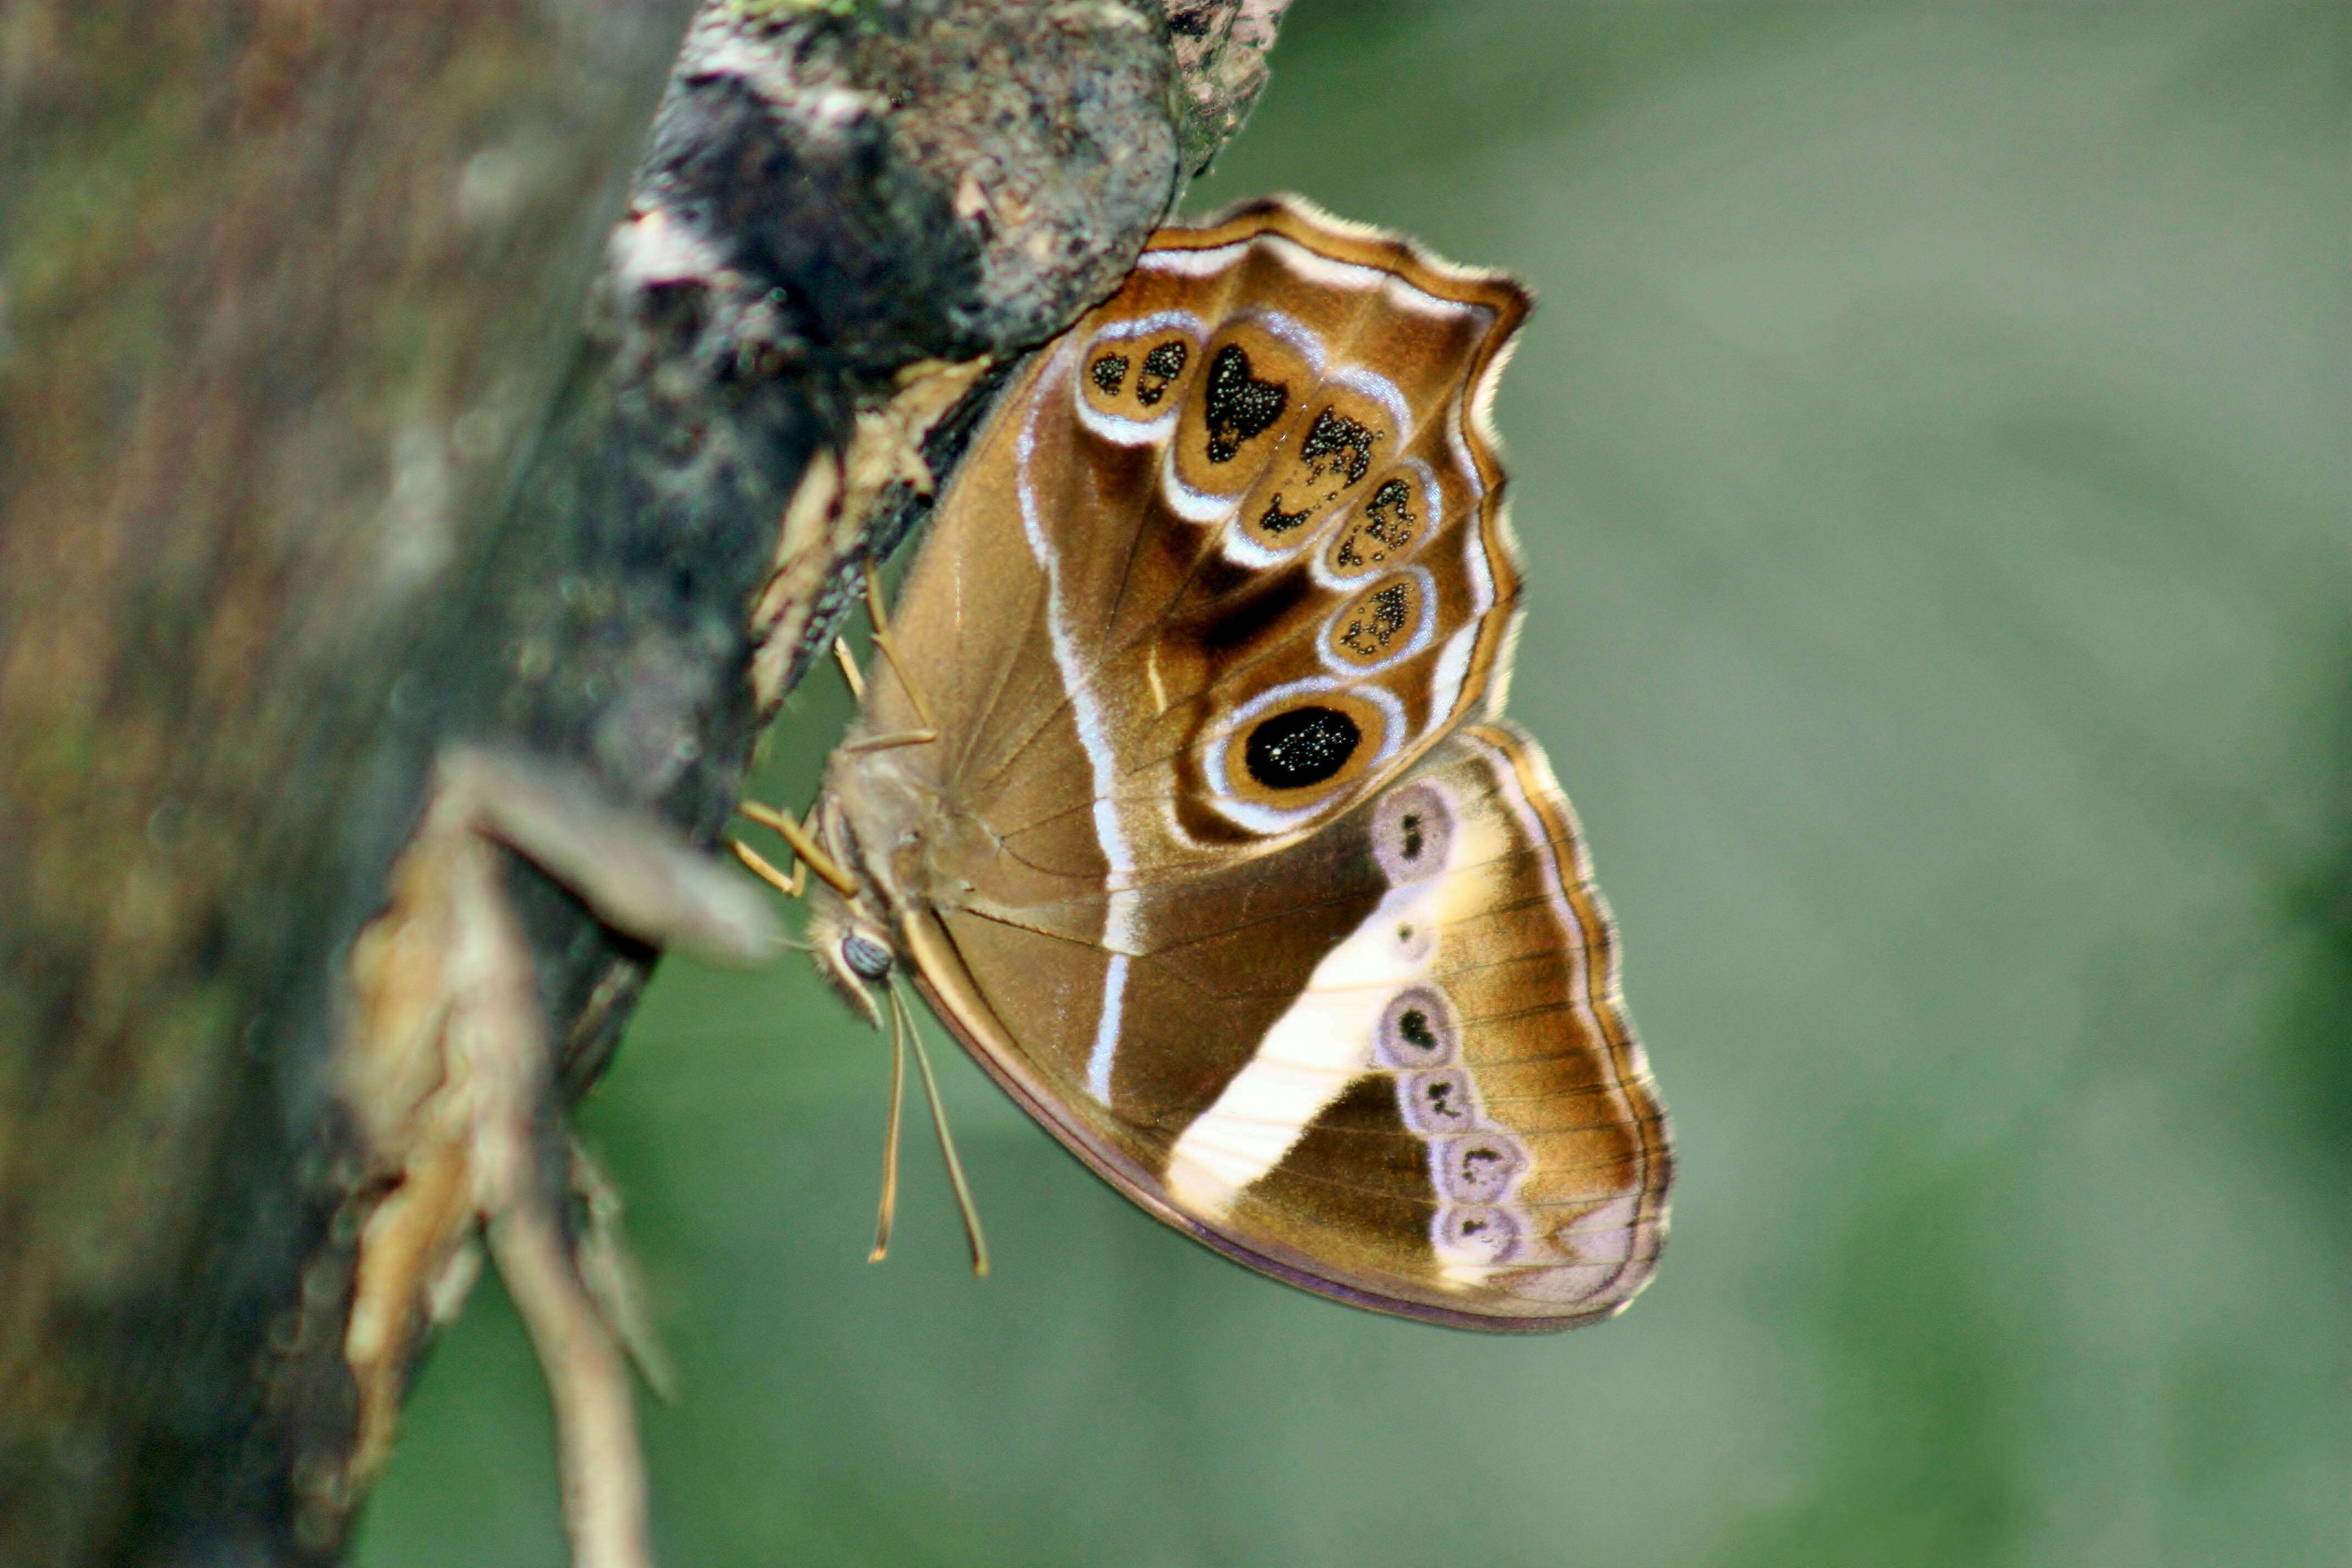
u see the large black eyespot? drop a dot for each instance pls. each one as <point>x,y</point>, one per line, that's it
<point>867,959</point>
<point>1300,746</point>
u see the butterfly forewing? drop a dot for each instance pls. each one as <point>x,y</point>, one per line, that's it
<point>1234,544</point>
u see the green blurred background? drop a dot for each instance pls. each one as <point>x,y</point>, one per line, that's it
<point>1931,457</point>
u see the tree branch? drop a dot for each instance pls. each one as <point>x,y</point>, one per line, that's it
<point>310,475</point>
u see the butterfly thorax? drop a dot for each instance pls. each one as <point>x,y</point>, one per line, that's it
<point>884,821</point>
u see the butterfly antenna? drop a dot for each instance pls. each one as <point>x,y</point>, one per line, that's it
<point>889,1210</point>
<point>971,1211</point>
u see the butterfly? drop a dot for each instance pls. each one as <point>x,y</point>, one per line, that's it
<point>1185,798</point>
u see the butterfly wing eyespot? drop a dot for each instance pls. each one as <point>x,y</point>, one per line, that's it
<point>1481,1168</point>
<point>1413,833</point>
<point>1163,363</point>
<point>1236,406</point>
<point>1395,514</point>
<point>1392,620</point>
<point>1416,1030</point>
<point>1338,450</point>
<point>1280,759</point>
<point>1474,1234</point>
<point>1299,747</point>
<point>1240,418</point>
<point>1440,1101</point>
<point>1134,376</point>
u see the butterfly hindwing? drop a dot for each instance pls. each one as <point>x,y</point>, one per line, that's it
<point>1393,1068</point>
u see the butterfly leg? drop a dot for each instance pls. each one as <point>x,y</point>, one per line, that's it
<point>806,850</point>
<point>792,887</point>
<point>849,670</point>
<point>449,1077</point>
<point>925,732</point>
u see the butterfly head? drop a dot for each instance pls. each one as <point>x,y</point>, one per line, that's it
<point>852,947</point>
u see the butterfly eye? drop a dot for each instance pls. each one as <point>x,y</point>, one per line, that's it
<point>867,958</point>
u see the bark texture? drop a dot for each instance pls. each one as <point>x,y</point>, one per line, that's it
<point>340,421</point>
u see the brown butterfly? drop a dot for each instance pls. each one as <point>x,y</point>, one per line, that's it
<point>1183,796</point>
